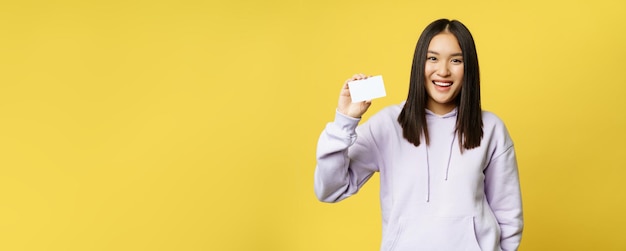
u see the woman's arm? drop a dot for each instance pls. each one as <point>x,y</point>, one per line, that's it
<point>338,174</point>
<point>344,161</point>
<point>503,193</point>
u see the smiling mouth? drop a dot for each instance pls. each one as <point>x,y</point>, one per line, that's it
<point>442,84</point>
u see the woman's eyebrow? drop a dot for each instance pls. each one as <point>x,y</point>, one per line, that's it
<point>453,54</point>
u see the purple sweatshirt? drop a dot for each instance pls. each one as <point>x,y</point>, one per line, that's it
<point>432,197</point>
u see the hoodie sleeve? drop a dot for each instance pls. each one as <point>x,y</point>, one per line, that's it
<point>503,193</point>
<point>344,161</point>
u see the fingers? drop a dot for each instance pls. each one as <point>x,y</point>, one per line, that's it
<point>346,106</point>
<point>358,76</point>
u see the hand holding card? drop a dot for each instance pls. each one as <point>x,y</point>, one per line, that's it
<point>367,89</point>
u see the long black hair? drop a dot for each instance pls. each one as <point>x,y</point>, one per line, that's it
<point>469,123</point>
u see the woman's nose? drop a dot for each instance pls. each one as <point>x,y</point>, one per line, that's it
<point>443,70</point>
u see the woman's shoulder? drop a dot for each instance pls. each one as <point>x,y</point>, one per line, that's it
<point>393,110</point>
<point>490,118</point>
<point>386,116</point>
<point>494,126</point>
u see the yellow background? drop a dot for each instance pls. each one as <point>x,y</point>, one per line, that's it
<point>192,125</point>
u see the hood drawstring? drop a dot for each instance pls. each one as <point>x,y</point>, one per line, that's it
<point>428,167</point>
<point>450,156</point>
<point>427,175</point>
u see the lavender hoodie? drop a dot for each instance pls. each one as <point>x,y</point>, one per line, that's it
<point>432,197</point>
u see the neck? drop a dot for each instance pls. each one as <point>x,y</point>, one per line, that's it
<point>440,109</point>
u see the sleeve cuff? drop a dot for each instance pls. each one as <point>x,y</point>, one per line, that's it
<point>346,123</point>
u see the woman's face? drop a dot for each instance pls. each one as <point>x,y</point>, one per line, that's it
<point>444,73</point>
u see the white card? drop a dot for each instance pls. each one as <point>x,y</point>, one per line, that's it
<point>367,89</point>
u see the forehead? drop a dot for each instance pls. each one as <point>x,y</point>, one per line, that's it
<point>444,42</point>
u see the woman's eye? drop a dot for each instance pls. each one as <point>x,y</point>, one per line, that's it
<point>431,58</point>
<point>458,61</point>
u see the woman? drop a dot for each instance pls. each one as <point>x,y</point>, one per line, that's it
<point>448,172</point>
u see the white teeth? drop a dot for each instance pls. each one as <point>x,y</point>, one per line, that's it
<point>442,84</point>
